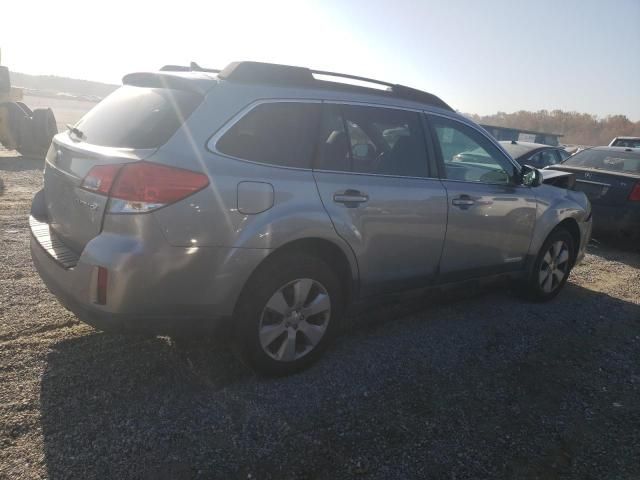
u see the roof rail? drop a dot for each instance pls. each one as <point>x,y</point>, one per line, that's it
<point>351,77</point>
<point>193,67</point>
<point>258,72</point>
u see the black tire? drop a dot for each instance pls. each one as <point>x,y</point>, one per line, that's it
<point>25,108</point>
<point>17,122</point>
<point>44,128</point>
<point>540,287</point>
<point>272,277</point>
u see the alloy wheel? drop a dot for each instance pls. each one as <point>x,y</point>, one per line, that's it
<point>554,266</point>
<point>294,320</point>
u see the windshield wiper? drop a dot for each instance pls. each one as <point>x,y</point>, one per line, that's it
<point>76,131</point>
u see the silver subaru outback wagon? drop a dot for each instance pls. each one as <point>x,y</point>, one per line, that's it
<point>266,199</point>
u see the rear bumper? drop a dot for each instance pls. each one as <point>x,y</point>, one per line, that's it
<point>152,287</point>
<point>72,286</point>
<point>617,221</point>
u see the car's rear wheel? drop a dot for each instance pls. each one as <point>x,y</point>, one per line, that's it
<point>288,313</point>
<point>552,266</point>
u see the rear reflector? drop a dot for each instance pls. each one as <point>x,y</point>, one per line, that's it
<point>634,196</point>
<point>101,288</point>
<point>100,178</point>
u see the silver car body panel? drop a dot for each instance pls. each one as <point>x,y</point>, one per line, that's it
<point>396,234</point>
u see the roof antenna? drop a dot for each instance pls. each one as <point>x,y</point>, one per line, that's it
<point>195,67</point>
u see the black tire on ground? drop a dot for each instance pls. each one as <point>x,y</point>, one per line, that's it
<point>25,108</point>
<point>17,123</point>
<point>28,147</point>
<point>270,278</point>
<point>44,127</point>
<point>557,254</point>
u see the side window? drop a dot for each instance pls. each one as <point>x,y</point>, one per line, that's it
<point>282,133</point>
<point>333,147</point>
<point>563,155</point>
<point>549,157</point>
<point>373,140</point>
<point>535,160</point>
<point>469,156</point>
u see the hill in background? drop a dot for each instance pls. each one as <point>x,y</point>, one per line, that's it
<point>49,85</point>
<point>577,128</point>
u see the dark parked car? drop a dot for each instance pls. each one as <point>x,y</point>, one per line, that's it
<point>629,142</point>
<point>535,155</point>
<point>610,177</point>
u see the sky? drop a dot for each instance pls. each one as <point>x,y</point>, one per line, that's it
<point>479,56</point>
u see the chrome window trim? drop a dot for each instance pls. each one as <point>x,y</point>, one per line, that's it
<point>509,185</point>
<point>369,104</point>
<point>341,172</point>
<point>591,182</point>
<point>211,145</point>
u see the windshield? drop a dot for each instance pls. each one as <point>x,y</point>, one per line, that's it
<point>137,117</point>
<point>628,162</point>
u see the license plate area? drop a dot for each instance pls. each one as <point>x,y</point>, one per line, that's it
<point>593,190</point>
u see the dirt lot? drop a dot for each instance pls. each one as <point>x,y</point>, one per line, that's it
<point>480,386</point>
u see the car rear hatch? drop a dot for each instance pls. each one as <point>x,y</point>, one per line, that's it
<point>602,187</point>
<point>128,126</point>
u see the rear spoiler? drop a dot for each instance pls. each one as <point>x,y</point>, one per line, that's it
<point>200,84</point>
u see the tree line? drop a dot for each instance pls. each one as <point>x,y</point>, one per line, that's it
<point>577,128</point>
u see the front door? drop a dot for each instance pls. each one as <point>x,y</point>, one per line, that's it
<point>373,178</point>
<point>491,216</point>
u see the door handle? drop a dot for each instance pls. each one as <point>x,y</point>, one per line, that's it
<point>463,201</point>
<point>351,198</point>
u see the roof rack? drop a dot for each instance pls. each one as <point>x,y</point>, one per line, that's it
<point>258,72</point>
<point>254,72</point>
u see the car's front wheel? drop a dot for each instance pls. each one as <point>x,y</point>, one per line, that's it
<point>288,314</point>
<point>552,266</point>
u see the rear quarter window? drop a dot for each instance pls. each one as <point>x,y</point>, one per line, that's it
<point>279,133</point>
<point>138,117</point>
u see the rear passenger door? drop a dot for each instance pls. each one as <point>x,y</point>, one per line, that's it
<point>374,179</point>
<point>491,215</point>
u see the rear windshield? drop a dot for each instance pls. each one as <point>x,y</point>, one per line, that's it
<point>137,117</point>
<point>627,142</point>
<point>628,162</point>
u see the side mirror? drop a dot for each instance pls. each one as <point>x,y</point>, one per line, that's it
<point>531,177</point>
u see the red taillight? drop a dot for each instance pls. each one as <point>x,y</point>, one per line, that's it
<point>101,286</point>
<point>100,178</point>
<point>634,196</point>
<point>142,186</point>
<point>151,183</point>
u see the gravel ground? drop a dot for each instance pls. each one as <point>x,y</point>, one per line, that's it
<point>475,386</point>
